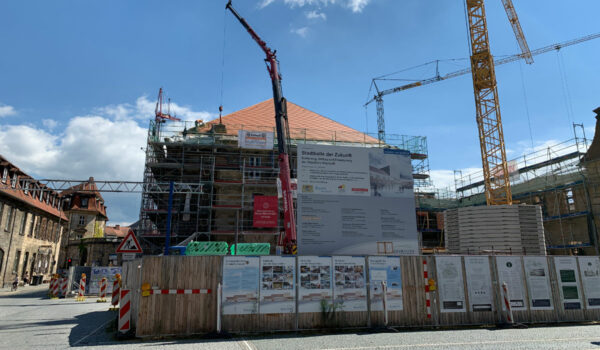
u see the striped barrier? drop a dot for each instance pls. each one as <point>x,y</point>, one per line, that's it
<point>51,285</point>
<point>427,297</point>
<point>509,314</point>
<point>56,287</point>
<point>81,295</point>
<point>125,311</point>
<point>102,298</point>
<point>178,291</point>
<point>116,291</point>
<point>63,287</point>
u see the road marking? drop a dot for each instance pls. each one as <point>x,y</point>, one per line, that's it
<point>490,342</point>
<point>246,345</point>
<point>95,330</point>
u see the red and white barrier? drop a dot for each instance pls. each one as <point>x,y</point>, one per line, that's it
<point>63,287</point>
<point>56,287</point>
<point>179,291</point>
<point>51,286</point>
<point>125,311</point>
<point>115,294</point>
<point>509,314</point>
<point>102,291</point>
<point>427,297</point>
<point>81,295</point>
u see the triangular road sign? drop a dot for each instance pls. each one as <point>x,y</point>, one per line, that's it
<point>130,244</point>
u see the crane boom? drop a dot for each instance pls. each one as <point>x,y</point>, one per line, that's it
<point>497,62</point>
<point>281,123</point>
<point>516,26</point>
<point>489,121</point>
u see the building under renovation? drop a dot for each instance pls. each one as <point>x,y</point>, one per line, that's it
<point>216,154</point>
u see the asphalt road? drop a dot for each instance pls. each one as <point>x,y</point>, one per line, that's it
<point>29,320</point>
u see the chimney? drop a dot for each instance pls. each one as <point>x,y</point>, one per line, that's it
<point>118,227</point>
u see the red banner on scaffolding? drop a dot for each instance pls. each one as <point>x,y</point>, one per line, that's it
<point>266,211</point>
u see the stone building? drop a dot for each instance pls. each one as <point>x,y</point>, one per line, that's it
<point>31,226</point>
<point>90,242</point>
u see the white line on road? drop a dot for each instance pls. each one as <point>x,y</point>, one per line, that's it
<point>95,330</point>
<point>246,345</point>
<point>490,342</point>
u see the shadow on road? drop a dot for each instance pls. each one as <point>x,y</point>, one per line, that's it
<point>26,292</point>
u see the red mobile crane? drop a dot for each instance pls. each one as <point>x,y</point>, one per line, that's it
<point>281,122</point>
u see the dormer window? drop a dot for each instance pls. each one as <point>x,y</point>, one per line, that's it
<point>5,175</point>
<point>13,183</point>
<point>26,186</point>
<point>84,202</point>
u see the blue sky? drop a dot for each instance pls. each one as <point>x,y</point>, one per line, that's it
<point>80,77</point>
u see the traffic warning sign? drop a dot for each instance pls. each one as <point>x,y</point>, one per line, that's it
<point>130,244</point>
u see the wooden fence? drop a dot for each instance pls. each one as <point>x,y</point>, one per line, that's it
<point>185,314</point>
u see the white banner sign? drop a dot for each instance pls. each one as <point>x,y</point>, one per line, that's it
<point>255,139</point>
<point>568,281</point>
<point>354,200</point>
<point>385,269</point>
<point>315,292</point>
<point>240,285</point>
<point>98,272</point>
<point>450,284</point>
<point>350,289</point>
<point>277,292</point>
<point>479,283</point>
<point>510,272</point>
<point>538,282</point>
<point>590,276</point>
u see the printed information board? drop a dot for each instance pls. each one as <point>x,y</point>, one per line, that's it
<point>590,276</point>
<point>277,292</point>
<point>315,292</point>
<point>255,139</point>
<point>510,272</point>
<point>450,284</point>
<point>350,289</point>
<point>98,272</point>
<point>537,277</point>
<point>355,200</point>
<point>479,283</point>
<point>568,281</point>
<point>385,269</point>
<point>240,285</point>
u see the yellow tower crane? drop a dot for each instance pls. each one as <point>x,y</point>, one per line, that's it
<point>489,122</point>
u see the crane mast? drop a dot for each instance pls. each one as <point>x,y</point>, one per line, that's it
<point>281,123</point>
<point>489,122</point>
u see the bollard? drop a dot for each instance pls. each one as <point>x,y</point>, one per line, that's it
<point>55,287</point>
<point>102,298</point>
<point>124,311</point>
<point>509,314</point>
<point>51,286</point>
<point>81,295</point>
<point>116,292</point>
<point>63,287</point>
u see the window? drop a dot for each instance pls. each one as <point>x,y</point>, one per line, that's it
<point>17,259</point>
<point>253,162</point>
<point>13,183</point>
<point>31,225</point>
<point>81,220</point>
<point>9,217</point>
<point>4,175</point>
<point>26,186</point>
<point>84,202</point>
<point>23,223</point>
<point>38,222</point>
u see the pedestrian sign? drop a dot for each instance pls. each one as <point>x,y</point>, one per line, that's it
<point>130,244</point>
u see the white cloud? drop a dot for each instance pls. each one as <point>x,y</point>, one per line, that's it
<point>316,15</point>
<point>6,111</point>
<point>49,123</point>
<point>143,109</point>
<point>301,31</point>
<point>355,5</point>
<point>443,178</point>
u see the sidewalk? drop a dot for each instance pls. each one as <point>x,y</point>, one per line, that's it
<point>24,289</point>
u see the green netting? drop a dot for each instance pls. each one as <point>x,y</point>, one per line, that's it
<point>251,249</point>
<point>206,248</point>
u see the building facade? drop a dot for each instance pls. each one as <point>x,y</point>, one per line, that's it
<point>31,226</point>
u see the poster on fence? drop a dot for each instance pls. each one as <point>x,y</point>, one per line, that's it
<point>568,281</point>
<point>277,292</point>
<point>315,292</point>
<point>355,201</point>
<point>590,276</point>
<point>385,269</point>
<point>240,285</point>
<point>98,272</point>
<point>349,288</point>
<point>537,277</point>
<point>479,283</point>
<point>450,284</point>
<point>510,272</point>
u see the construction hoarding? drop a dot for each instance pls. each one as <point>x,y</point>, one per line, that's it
<point>510,271</point>
<point>590,276</point>
<point>568,282</point>
<point>355,200</point>
<point>451,285</point>
<point>99,272</point>
<point>538,282</point>
<point>277,288</point>
<point>315,291</point>
<point>385,269</point>
<point>240,285</point>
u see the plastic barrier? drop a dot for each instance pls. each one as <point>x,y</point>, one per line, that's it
<point>206,248</point>
<point>251,249</point>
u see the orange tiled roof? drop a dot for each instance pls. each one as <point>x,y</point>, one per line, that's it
<point>303,124</point>
<point>95,202</point>
<point>28,198</point>
<point>119,231</point>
